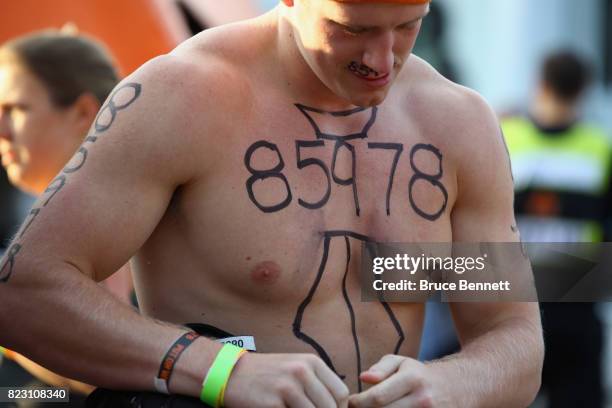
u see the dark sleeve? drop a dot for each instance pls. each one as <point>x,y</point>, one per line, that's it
<point>607,210</point>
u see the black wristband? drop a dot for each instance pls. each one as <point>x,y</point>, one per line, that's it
<point>172,355</point>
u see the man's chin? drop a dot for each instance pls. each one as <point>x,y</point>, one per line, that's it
<point>368,101</point>
<point>367,97</point>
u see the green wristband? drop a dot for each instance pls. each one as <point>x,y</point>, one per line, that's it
<point>213,386</point>
<point>2,350</point>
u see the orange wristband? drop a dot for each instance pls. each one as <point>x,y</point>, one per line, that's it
<point>10,354</point>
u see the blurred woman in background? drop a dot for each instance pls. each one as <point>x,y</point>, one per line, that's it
<point>52,84</point>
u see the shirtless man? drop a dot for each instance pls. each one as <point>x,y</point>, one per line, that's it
<point>242,171</point>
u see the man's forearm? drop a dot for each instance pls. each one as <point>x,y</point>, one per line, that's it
<point>67,323</point>
<point>501,368</point>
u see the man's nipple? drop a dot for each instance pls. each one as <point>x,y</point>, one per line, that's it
<point>266,272</point>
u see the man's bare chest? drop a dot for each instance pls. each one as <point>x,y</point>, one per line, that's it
<point>287,204</point>
<point>320,171</point>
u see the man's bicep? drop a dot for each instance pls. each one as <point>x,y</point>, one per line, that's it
<point>110,196</point>
<point>484,213</point>
<point>99,217</point>
<point>484,210</point>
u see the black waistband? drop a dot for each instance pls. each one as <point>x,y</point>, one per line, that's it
<point>208,330</point>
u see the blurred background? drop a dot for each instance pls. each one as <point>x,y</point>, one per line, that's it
<point>496,47</point>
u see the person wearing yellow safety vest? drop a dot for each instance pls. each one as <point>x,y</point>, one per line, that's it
<point>561,169</point>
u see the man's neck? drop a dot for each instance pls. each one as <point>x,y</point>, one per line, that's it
<point>302,83</point>
<point>550,112</point>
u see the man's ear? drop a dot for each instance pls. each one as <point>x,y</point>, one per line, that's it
<point>84,111</point>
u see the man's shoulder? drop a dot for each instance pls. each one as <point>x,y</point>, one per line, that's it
<point>440,106</point>
<point>191,72</point>
<point>426,89</point>
<point>199,79</point>
<point>454,118</point>
<point>187,97</point>
<point>229,50</point>
<point>211,63</point>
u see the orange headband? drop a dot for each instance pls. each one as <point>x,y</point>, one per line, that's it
<point>386,1</point>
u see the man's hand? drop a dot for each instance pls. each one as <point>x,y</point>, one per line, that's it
<point>398,382</point>
<point>285,380</point>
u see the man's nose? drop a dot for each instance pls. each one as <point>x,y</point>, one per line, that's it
<point>379,53</point>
